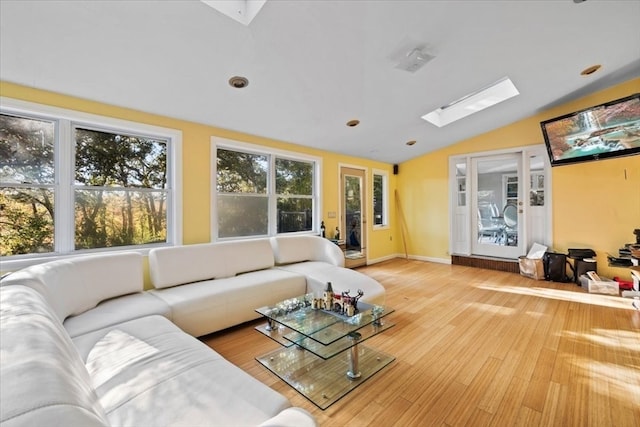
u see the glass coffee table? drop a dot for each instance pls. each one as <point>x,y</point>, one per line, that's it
<point>322,356</point>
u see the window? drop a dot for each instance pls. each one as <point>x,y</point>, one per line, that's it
<point>243,203</point>
<point>294,190</point>
<point>71,181</point>
<point>380,199</point>
<point>120,189</point>
<point>27,178</point>
<point>263,194</point>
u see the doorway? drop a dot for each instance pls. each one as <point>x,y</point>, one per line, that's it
<point>496,199</point>
<point>353,215</point>
<point>499,202</point>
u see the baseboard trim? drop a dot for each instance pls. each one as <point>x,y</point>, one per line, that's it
<point>382,259</point>
<point>430,259</point>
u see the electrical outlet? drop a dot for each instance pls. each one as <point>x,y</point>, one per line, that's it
<point>331,214</point>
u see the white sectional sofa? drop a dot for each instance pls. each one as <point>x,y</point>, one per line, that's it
<point>83,344</point>
<point>320,261</point>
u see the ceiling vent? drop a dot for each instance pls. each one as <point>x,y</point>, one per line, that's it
<point>414,60</point>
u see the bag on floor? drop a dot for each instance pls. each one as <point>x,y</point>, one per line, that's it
<point>555,267</point>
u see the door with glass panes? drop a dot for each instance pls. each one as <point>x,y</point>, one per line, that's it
<point>495,211</point>
<point>353,215</point>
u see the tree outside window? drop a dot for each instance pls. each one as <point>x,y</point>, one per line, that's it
<point>117,196</point>
<point>241,184</point>
<point>379,199</point>
<point>119,190</point>
<point>294,189</point>
<point>248,183</point>
<point>27,177</point>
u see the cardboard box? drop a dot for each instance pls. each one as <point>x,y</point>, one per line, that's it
<point>602,286</point>
<point>532,268</point>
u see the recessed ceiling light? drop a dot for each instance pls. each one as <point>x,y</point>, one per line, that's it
<point>238,82</point>
<point>476,101</point>
<point>410,143</point>
<point>590,70</point>
<point>353,123</point>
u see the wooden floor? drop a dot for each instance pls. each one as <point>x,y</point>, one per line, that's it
<point>479,347</point>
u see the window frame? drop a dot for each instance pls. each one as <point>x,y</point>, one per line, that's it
<point>64,162</point>
<point>271,153</point>
<point>385,199</point>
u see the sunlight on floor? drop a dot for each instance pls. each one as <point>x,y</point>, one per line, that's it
<point>604,337</point>
<point>623,381</point>
<point>581,297</point>
<point>490,308</point>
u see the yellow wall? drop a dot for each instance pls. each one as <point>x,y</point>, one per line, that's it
<point>197,158</point>
<point>594,204</point>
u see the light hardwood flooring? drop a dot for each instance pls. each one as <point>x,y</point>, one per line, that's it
<point>477,347</point>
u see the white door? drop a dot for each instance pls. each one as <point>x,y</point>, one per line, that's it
<point>497,206</point>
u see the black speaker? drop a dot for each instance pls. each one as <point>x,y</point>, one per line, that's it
<point>395,169</point>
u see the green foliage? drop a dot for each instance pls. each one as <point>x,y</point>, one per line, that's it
<point>239,172</point>
<point>121,217</point>
<point>294,177</point>
<point>377,199</point>
<point>244,212</point>
<point>27,162</point>
<point>120,182</point>
<point>26,150</point>
<point>24,227</point>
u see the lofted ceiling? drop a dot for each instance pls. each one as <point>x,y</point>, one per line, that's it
<point>314,65</point>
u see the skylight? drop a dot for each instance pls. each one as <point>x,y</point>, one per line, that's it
<point>500,91</point>
<point>242,11</point>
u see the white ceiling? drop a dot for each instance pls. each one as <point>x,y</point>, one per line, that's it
<point>313,65</point>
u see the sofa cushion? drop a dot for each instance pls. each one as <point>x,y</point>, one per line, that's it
<point>149,373</point>
<point>342,280</point>
<point>192,263</point>
<point>75,285</point>
<point>44,381</point>
<point>117,310</point>
<point>204,307</point>
<point>292,249</point>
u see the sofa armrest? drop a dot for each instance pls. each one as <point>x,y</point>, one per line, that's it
<point>293,249</point>
<point>291,417</point>
<point>329,252</point>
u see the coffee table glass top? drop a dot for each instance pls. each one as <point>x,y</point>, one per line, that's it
<point>325,327</point>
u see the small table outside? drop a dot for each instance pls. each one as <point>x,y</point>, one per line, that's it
<point>314,359</point>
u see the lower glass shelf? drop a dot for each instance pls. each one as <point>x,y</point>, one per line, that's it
<point>322,381</point>
<point>287,337</point>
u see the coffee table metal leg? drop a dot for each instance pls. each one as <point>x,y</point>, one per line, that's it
<point>272,325</point>
<point>354,370</point>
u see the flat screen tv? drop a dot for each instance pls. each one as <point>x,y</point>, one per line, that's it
<point>600,132</point>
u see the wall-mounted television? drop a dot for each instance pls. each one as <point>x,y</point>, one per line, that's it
<point>600,132</point>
